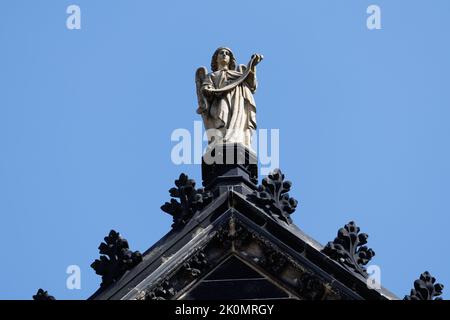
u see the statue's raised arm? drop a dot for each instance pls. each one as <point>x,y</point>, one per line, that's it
<point>225,98</point>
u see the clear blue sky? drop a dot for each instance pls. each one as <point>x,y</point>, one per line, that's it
<point>86,117</point>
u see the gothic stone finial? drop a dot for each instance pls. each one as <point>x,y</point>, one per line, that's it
<point>273,197</point>
<point>425,288</point>
<point>349,250</point>
<point>191,200</point>
<point>115,259</point>
<point>43,295</point>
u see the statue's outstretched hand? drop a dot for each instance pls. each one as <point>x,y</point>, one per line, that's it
<point>256,58</point>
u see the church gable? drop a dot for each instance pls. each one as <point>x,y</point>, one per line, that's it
<point>236,253</point>
<point>235,249</point>
<point>276,259</point>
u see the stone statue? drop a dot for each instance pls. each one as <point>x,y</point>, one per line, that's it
<point>225,99</point>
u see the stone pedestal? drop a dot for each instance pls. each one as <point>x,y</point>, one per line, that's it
<point>229,165</point>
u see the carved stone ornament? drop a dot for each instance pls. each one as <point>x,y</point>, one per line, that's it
<point>426,288</point>
<point>349,249</point>
<point>190,201</point>
<point>311,287</point>
<point>42,295</point>
<point>164,291</point>
<point>189,271</point>
<point>273,197</point>
<point>115,259</point>
<point>196,265</point>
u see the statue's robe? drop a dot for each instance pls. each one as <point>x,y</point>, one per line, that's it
<point>232,113</point>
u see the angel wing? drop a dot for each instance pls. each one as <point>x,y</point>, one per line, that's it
<point>200,76</point>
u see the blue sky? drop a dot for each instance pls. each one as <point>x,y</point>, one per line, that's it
<point>86,117</point>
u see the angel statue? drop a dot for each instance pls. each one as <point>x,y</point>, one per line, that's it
<point>225,98</point>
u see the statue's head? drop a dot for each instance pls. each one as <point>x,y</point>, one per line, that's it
<point>223,57</point>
